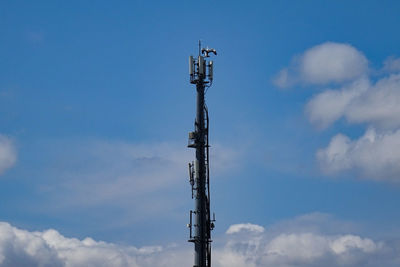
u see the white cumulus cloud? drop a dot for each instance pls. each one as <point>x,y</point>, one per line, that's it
<point>310,248</point>
<point>332,62</point>
<point>49,248</point>
<point>236,228</point>
<point>260,248</point>
<point>376,155</point>
<point>372,102</point>
<point>359,102</point>
<point>378,106</point>
<point>327,107</point>
<point>305,246</point>
<point>8,154</point>
<point>329,62</point>
<point>342,244</point>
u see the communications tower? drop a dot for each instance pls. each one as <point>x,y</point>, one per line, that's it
<point>200,227</point>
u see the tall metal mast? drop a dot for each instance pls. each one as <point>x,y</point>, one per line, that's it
<point>201,74</point>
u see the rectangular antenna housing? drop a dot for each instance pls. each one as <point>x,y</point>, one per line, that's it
<point>201,66</point>
<point>191,66</point>
<point>210,69</point>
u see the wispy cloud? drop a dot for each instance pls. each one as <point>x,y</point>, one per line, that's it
<point>8,153</point>
<point>141,180</point>
<point>391,64</point>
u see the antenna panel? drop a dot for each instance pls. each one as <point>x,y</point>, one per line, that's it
<point>201,66</point>
<point>191,66</point>
<point>210,70</point>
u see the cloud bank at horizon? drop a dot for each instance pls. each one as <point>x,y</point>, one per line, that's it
<point>243,245</point>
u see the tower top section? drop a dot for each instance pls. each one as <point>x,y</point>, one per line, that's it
<point>200,69</point>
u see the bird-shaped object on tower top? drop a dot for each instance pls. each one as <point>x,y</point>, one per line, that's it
<point>206,51</point>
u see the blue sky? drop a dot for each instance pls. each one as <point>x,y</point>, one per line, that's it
<point>95,106</point>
